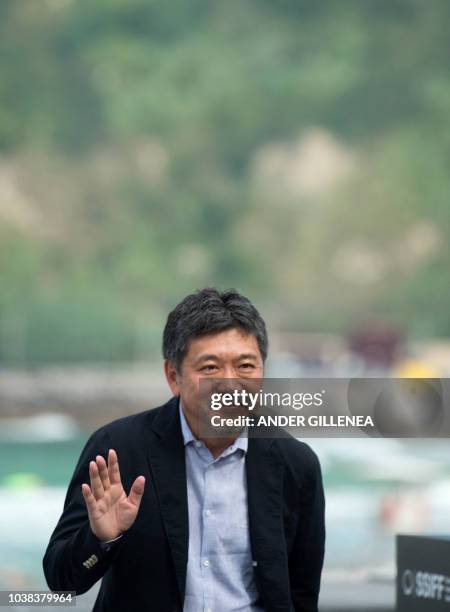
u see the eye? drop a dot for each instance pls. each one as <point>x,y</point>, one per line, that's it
<point>208,368</point>
<point>247,366</point>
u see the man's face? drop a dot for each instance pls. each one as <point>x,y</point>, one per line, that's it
<point>229,354</point>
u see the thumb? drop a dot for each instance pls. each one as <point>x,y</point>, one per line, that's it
<point>137,490</point>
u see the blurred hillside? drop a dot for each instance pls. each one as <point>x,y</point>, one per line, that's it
<point>298,151</point>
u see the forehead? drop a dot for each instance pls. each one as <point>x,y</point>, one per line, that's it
<point>227,343</point>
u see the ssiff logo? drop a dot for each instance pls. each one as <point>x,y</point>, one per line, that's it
<point>426,585</point>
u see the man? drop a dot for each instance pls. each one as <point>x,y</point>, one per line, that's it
<point>209,524</point>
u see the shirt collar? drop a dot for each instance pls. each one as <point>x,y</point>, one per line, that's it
<point>188,436</point>
<point>240,442</point>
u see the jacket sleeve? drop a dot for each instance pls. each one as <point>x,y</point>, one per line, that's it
<point>307,554</point>
<point>75,559</point>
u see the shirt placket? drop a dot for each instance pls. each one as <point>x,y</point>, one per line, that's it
<point>207,537</point>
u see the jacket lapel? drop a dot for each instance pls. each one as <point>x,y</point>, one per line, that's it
<point>264,468</point>
<point>167,464</point>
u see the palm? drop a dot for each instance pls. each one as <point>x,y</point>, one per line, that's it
<point>114,512</point>
<point>111,511</point>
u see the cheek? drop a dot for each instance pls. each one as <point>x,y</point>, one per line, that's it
<point>190,384</point>
<point>198,390</point>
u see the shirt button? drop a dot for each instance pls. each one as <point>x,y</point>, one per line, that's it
<point>206,562</point>
<point>207,512</point>
<point>198,443</point>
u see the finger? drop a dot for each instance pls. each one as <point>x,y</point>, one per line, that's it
<point>103,471</point>
<point>137,490</point>
<point>88,498</point>
<point>113,467</point>
<point>96,483</point>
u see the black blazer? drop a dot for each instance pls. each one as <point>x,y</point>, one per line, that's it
<point>146,568</point>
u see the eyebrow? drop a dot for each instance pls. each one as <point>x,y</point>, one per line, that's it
<point>206,358</point>
<point>212,357</point>
<point>248,356</point>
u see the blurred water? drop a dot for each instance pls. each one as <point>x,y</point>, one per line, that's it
<point>366,503</point>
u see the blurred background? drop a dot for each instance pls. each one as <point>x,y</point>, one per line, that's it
<point>297,151</point>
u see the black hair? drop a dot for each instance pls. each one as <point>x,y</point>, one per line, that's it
<point>207,311</point>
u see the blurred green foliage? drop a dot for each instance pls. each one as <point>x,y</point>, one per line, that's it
<point>131,140</point>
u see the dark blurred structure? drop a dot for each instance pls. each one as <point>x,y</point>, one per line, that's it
<point>377,344</point>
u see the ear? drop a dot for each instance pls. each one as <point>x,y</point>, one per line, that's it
<point>171,376</point>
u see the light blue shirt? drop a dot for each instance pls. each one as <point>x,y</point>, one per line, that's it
<point>220,575</point>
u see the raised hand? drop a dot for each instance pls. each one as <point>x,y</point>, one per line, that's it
<point>110,510</point>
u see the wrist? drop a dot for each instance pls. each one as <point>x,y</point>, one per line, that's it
<point>101,536</point>
<point>107,544</point>
<point>112,540</point>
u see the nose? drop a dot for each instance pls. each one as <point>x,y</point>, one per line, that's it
<point>226,384</point>
<point>227,381</point>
